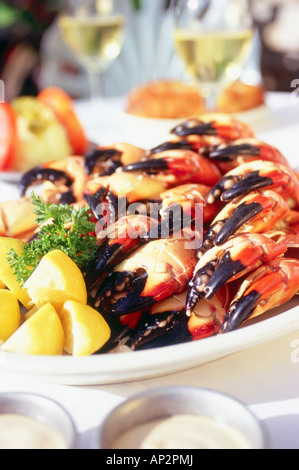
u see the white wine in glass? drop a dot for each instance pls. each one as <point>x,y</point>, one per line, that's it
<point>94,34</point>
<point>214,39</point>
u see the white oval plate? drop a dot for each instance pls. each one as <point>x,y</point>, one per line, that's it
<point>131,366</point>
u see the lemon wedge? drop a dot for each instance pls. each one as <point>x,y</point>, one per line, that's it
<point>56,280</point>
<point>10,314</point>
<point>42,334</point>
<point>85,330</point>
<point>7,274</point>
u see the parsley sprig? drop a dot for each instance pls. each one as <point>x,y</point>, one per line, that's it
<point>62,227</point>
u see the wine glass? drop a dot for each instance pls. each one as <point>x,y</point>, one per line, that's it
<point>214,40</point>
<point>94,31</point>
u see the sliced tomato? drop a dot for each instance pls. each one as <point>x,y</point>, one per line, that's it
<point>8,136</point>
<point>63,108</point>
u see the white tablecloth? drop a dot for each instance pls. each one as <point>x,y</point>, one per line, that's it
<point>265,377</point>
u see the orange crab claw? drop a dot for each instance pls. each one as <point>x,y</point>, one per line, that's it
<point>166,323</point>
<point>179,167</point>
<point>245,150</point>
<point>120,190</point>
<point>188,196</point>
<point>257,212</point>
<point>269,287</point>
<point>118,241</point>
<point>153,273</point>
<point>220,125</point>
<point>208,315</point>
<point>104,161</point>
<point>229,262</point>
<point>179,208</point>
<point>58,182</point>
<point>257,175</point>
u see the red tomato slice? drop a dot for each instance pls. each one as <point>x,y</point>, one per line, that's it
<point>63,108</point>
<point>8,137</point>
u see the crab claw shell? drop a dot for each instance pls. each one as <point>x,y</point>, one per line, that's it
<point>179,167</point>
<point>257,212</point>
<point>229,152</point>
<point>108,158</point>
<point>235,259</point>
<point>172,145</point>
<point>39,174</point>
<point>214,124</point>
<point>242,150</point>
<point>271,286</point>
<point>257,175</point>
<point>121,238</point>
<point>156,271</point>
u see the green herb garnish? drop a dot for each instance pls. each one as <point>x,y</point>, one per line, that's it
<point>63,228</point>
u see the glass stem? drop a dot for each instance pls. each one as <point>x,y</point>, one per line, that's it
<point>210,96</point>
<point>94,84</point>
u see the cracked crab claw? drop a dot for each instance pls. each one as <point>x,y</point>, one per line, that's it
<point>257,175</point>
<point>219,125</point>
<point>153,273</point>
<point>244,150</point>
<point>177,167</point>
<point>271,286</point>
<point>257,212</point>
<point>229,262</point>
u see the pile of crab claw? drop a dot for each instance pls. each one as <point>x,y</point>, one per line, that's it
<point>157,290</point>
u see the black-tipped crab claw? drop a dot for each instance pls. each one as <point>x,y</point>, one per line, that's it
<point>257,175</point>
<point>233,260</point>
<point>39,174</point>
<point>223,126</point>
<point>166,323</point>
<point>57,182</point>
<point>153,273</point>
<point>271,286</point>
<point>257,212</point>
<point>244,150</point>
<point>178,167</point>
<point>173,145</point>
<point>118,191</point>
<point>179,209</point>
<point>105,161</point>
<point>121,238</point>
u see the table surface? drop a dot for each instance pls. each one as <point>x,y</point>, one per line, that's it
<point>264,377</point>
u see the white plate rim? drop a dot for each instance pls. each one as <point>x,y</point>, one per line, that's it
<point>140,365</point>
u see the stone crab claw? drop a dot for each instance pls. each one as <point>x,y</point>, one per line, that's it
<point>245,150</point>
<point>39,174</point>
<point>257,175</point>
<point>117,242</point>
<point>258,212</point>
<point>58,182</point>
<point>166,322</point>
<point>117,191</point>
<point>181,208</point>
<point>219,125</point>
<point>196,143</point>
<point>104,161</point>
<point>177,167</point>
<point>229,262</point>
<point>156,271</point>
<point>271,286</point>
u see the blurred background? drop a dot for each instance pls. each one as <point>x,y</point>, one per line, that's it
<point>33,54</point>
